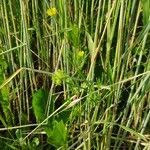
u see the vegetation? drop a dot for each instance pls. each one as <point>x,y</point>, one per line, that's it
<point>74,74</point>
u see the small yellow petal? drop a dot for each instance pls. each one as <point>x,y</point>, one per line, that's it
<point>80,53</point>
<point>51,11</point>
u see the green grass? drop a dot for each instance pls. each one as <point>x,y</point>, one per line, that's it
<point>75,78</point>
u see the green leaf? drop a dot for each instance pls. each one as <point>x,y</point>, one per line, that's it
<point>5,103</point>
<point>137,134</point>
<point>39,104</point>
<point>11,146</point>
<point>90,44</point>
<point>73,35</point>
<point>146,11</point>
<point>35,142</point>
<point>3,64</point>
<point>57,136</point>
<point>64,116</point>
<point>18,134</point>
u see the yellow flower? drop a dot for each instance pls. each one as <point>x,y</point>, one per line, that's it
<point>80,53</point>
<point>51,11</point>
<point>58,77</point>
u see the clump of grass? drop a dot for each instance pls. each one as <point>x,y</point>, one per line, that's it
<point>75,69</point>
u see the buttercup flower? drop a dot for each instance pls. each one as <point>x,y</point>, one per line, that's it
<point>51,11</point>
<point>80,54</point>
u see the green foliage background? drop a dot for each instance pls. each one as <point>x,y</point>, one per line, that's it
<point>75,78</point>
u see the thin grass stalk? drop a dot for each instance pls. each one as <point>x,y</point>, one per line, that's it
<point>92,15</point>
<point>8,42</point>
<point>130,92</point>
<point>108,45</point>
<point>24,39</point>
<point>132,110</point>
<point>119,46</point>
<point>15,35</point>
<point>143,128</point>
<point>119,86</point>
